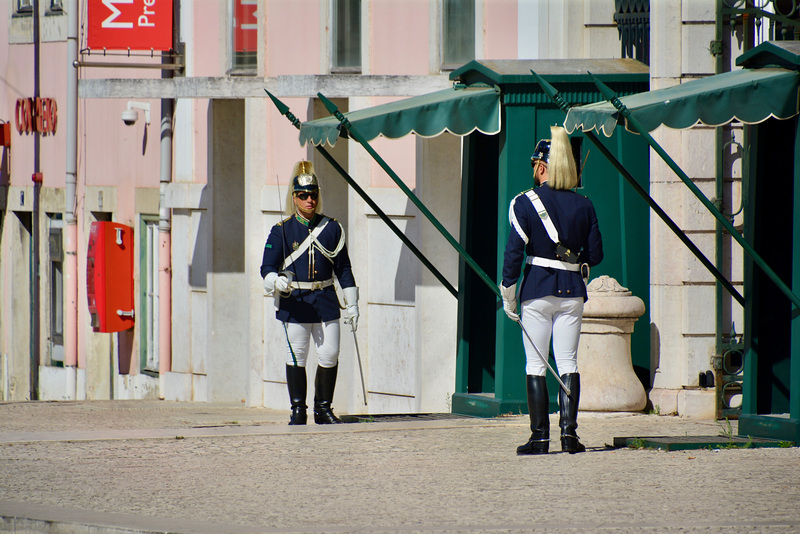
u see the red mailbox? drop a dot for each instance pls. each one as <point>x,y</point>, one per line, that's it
<point>109,276</point>
<point>5,134</point>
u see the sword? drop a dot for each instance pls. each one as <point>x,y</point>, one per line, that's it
<point>288,274</point>
<point>360,370</point>
<point>563,385</point>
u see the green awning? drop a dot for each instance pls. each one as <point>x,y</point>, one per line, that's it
<point>458,110</point>
<point>748,95</point>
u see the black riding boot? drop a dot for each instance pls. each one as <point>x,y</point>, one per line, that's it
<point>296,380</point>
<point>538,407</point>
<point>323,396</point>
<point>569,413</point>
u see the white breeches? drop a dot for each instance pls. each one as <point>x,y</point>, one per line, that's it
<point>560,318</point>
<point>326,339</point>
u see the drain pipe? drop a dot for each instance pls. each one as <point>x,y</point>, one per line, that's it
<point>164,249</point>
<point>165,227</point>
<point>71,238</point>
<point>35,268</point>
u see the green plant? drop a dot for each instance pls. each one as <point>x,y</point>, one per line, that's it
<point>785,444</point>
<point>747,445</point>
<point>726,429</point>
<point>656,410</point>
<point>637,443</point>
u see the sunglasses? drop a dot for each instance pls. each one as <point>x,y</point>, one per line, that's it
<point>304,196</point>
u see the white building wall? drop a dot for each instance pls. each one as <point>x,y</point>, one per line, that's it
<point>682,291</point>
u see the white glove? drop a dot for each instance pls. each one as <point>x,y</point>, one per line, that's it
<point>275,282</point>
<point>269,283</point>
<point>282,284</point>
<point>351,303</point>
<point>510,301</point>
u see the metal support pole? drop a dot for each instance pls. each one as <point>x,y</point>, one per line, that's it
<point>637,126</point>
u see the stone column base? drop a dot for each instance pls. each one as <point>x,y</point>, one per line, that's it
<point>689,403</point>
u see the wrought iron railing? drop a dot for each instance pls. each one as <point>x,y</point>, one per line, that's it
<point>782,18</point>
<point>633,23</point>
<point>729,368</point>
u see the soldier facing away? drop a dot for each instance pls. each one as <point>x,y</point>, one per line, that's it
<point>555,230</point>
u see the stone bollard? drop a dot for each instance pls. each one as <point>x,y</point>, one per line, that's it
<point>608,382</point>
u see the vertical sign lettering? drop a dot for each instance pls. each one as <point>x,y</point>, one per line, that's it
<point>36,115</point>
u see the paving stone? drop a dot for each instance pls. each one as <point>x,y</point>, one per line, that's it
<point>150,466</point>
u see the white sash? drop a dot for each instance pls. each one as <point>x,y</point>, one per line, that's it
<point>542,212</point>
<point>555,264</point>
<point>538,205</point>
<point>290,259</point>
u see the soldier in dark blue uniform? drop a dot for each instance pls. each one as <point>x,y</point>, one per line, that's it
<point>302,255</point>
<point>554,233</point>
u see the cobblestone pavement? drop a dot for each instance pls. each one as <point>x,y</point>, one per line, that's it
<point>157,466</point>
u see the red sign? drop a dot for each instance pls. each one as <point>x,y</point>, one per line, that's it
<point>36,115</point>
<point>130,24</point>
<point>245,25</point>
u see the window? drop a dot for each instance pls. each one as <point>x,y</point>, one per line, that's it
<point>148,304</point>
<point>458,33</point>
<point>245,35</point>
<point>346,35</point>
<point>25,7</point>
<point>56,254</point>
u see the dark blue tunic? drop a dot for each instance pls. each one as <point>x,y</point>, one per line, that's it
<point>576,221</point>
<point>305,305</point>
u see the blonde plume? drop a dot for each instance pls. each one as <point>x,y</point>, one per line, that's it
<point>563,173</point>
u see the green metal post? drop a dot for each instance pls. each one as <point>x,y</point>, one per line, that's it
<point>552,92</point>
<point>752,356</point>
<point>332,108</point>
<point>284,110</point>
<point>632,121</point>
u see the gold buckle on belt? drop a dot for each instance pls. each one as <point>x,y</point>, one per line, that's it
<point>316,285</point>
